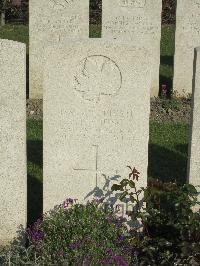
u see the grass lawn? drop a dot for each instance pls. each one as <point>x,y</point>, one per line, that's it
<point>167,55</point>
<point>168,150</point>
<point>16,33</point>
<point>167,158</point>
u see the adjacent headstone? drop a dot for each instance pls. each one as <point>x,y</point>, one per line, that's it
<point>187,38</point>
<point>52,21</point>
<point>194,148</point>
<point>12,139</point>
<point>96,117</point>
<point>137,22</point>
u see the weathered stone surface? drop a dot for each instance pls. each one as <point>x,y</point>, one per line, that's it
<point>194,148</point>
<point>96,117</point>
<point>51,21</point>
<point>12,139</point>
<point>187,38</point>
<point>137,22</point>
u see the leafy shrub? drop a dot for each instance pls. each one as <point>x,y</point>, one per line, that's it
<point>17,255</point>
<point>75,234</point>
<point>80,235</point>
<point>171,229</point>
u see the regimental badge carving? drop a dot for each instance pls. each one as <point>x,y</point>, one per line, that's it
<point>97,76</point>
<point>59,4</point>
<point>132,3</point>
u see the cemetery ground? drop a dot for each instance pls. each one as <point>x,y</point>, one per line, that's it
<point>168,147</point>
<point>169,125</point>
<point>65,235</point>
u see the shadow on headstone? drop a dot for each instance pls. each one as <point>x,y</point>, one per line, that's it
<point>20,239</point>
<point>110,199</point>
<point>105,192</point>
<point>167,165</point>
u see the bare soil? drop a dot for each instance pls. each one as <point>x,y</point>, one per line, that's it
<point>162,110</point>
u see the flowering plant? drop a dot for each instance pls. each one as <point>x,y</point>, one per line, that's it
<point>76,234</point>
<point>170,232</point>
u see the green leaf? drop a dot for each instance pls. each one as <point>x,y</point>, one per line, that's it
<point>190,188</point>
<point>124,182</point>
<point>131,183</point>
<point>123,195</point>
<point>132,199</point>
<point>116,187</point>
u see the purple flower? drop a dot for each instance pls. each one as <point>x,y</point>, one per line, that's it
<point>75,245</point>
<point>121,238</point>
<point>68,202</point>
<point>110,218</point>
<point>35,233</point>
<point>61,253</point>
<point>87,260</point>
<point>113,259</point>
<point>98,201</point>
<point>164,90</point>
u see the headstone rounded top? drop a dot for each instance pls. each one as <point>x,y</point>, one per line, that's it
<point>60,4</point>
<point>5,42</point>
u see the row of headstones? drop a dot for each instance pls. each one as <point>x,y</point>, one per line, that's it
<point>96,105</point>
<point>134,21</point>
<point>96,122</point>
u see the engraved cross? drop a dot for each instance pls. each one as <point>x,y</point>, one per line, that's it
<point>96,171</point>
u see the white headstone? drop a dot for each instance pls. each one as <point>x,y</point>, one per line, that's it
<point>137,22</point>
<point>187,38</point>
<point>52,21</point>
<point>12,139</point>
<point>96,117</point>
<point>194,147</point>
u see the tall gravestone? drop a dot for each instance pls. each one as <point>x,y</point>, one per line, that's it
<point>12,139</point>
<point>52,21</point>
<point>96,117</point>
<point>187,38</point>
<point>137,22</point>
<point>194,148</point>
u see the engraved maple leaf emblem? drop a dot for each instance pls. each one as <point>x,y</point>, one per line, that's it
<point>97,76</point>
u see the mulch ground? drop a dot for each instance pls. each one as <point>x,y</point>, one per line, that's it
<point>175,110</point>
